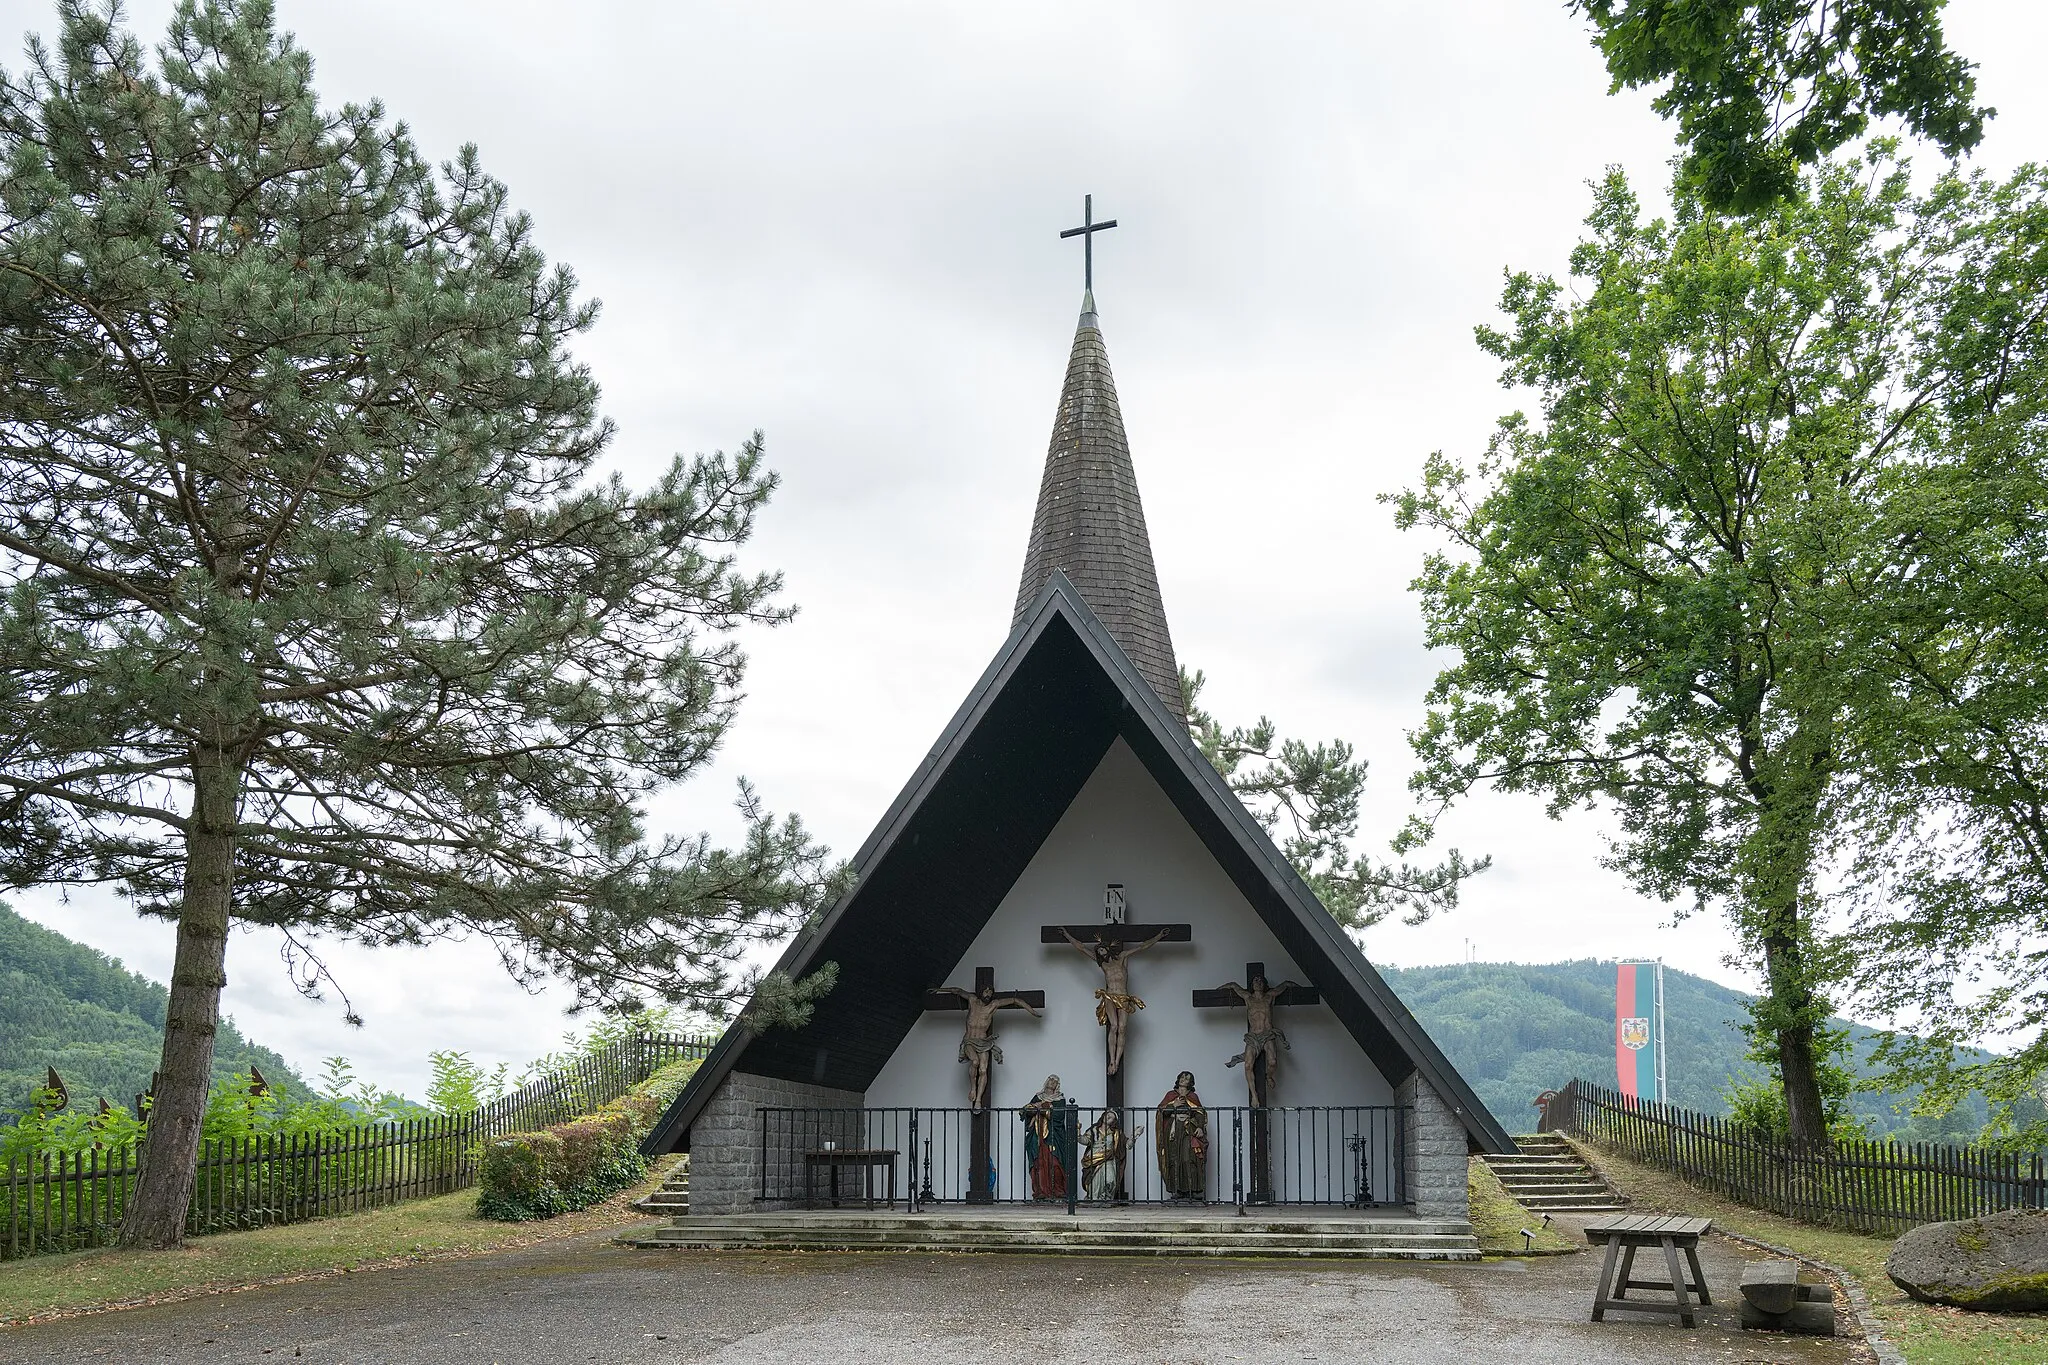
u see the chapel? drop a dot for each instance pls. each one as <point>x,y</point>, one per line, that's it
<point>1075,970</point>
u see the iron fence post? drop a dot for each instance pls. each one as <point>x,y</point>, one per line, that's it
<point>910,1167</point>
<point>1237,1159</point>
<point>1070,1154</point>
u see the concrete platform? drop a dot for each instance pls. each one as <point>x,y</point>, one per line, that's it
<point>1133,1231</point>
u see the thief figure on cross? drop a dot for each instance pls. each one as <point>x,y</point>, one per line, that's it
<point>978,1046</point>
<point>1260,1034</point>
<point>1263,1039</point>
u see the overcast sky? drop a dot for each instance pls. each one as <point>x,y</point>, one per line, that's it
<point>839,223</point>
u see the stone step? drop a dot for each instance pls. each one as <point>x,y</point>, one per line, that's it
<point>1107,1236</point>
<point>1091,1240</point>
<point>1559,1171</point>
<point>986,1226</point>
<point>1548,1176</point>
<point>1386,1253</point>
<point>672,1199</point>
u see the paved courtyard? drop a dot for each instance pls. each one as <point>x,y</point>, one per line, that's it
<point>585,1300</point>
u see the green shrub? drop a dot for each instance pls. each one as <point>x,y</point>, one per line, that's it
<point>576,1164</point>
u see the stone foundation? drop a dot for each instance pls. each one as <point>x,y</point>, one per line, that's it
<point>1437,1170</point>
<point>725,1139</point>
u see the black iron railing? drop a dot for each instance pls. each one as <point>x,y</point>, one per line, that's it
<point>1347,1155</point>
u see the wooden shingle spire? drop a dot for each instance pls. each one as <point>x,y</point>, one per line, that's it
<point>1090,523</point>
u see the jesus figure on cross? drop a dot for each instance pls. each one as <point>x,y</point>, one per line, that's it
<point>1114,1003</point>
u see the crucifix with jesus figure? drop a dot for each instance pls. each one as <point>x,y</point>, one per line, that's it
<point>1109,946</point>
<point>979,1050</point>
<point>1260,1059</point>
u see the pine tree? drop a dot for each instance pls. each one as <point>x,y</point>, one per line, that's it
<point>1306,796</point>
<point>313,611</point>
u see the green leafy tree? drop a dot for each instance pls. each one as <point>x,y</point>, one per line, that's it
<point>1307,796</point>
<point>1952,822</point>
<point>1757,1102</point>
<point>314,612</point>
<point>460,1084</point>
<point>1663,595</point>
<point>1764,88</point>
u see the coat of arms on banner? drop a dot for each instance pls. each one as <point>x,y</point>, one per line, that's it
<point>1635,1033</point>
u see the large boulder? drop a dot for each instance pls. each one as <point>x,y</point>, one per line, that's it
<point>1997,1263</point>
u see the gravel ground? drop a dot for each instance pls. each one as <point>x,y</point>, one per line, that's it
<point>585,1300</point>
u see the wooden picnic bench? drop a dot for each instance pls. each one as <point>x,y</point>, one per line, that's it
<point>1627,1235</point>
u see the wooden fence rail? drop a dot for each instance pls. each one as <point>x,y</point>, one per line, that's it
<point>1866,1186</point>
<point>65,1201</point>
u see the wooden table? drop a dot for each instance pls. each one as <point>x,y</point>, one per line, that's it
<point>837,1159</point>
<point>1627,1235</point>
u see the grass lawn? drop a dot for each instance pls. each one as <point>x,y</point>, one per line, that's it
<point>1498,1220</point>
<point>422,1229</point>
<point>1928,1335</point>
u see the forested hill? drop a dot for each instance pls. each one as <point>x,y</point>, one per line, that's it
<point>64,1005</point>
<point>1517,1030</point>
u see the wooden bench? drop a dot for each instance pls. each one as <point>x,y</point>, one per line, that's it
<point>1777,1298</point>
<point>836,1159</point>
<point>1624,1237</point>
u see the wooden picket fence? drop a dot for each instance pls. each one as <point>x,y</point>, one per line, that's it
<point>67,1201</point>
<point>1865,1186</point>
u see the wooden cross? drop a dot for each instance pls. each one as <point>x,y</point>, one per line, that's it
<point>976,1048</point>
<point>1258,1084</point>
<point>1089,935</point>
<point>1086,232</point>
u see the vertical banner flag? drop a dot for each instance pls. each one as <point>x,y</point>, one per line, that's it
<point>1638,1020</point>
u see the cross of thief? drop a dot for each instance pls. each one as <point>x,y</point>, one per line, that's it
<point>1261,1056</point>
<point>978,1049</point>
<point>1262,1037</point>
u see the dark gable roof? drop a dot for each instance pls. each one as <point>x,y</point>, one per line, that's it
<point>1057,694</point>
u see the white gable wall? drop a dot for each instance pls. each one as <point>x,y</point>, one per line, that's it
<point>1122,828</point>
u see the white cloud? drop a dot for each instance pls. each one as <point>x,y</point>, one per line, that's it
<point>838,223</point>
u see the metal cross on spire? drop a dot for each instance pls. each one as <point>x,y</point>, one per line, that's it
<point>1086,232</point>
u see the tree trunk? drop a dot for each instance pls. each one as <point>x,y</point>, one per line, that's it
<point>1795,1013</point>
<point>155,1216</point>
<point>1793,783</point>
<point>1805,1112</point>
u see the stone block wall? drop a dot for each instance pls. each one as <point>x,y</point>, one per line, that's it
<point>725,1139</point>
<point>1436,1153</point>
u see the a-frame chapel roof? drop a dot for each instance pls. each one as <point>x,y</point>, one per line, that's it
<point>1068,682</point>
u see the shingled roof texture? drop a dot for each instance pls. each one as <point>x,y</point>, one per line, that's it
<point>1090,523</point>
